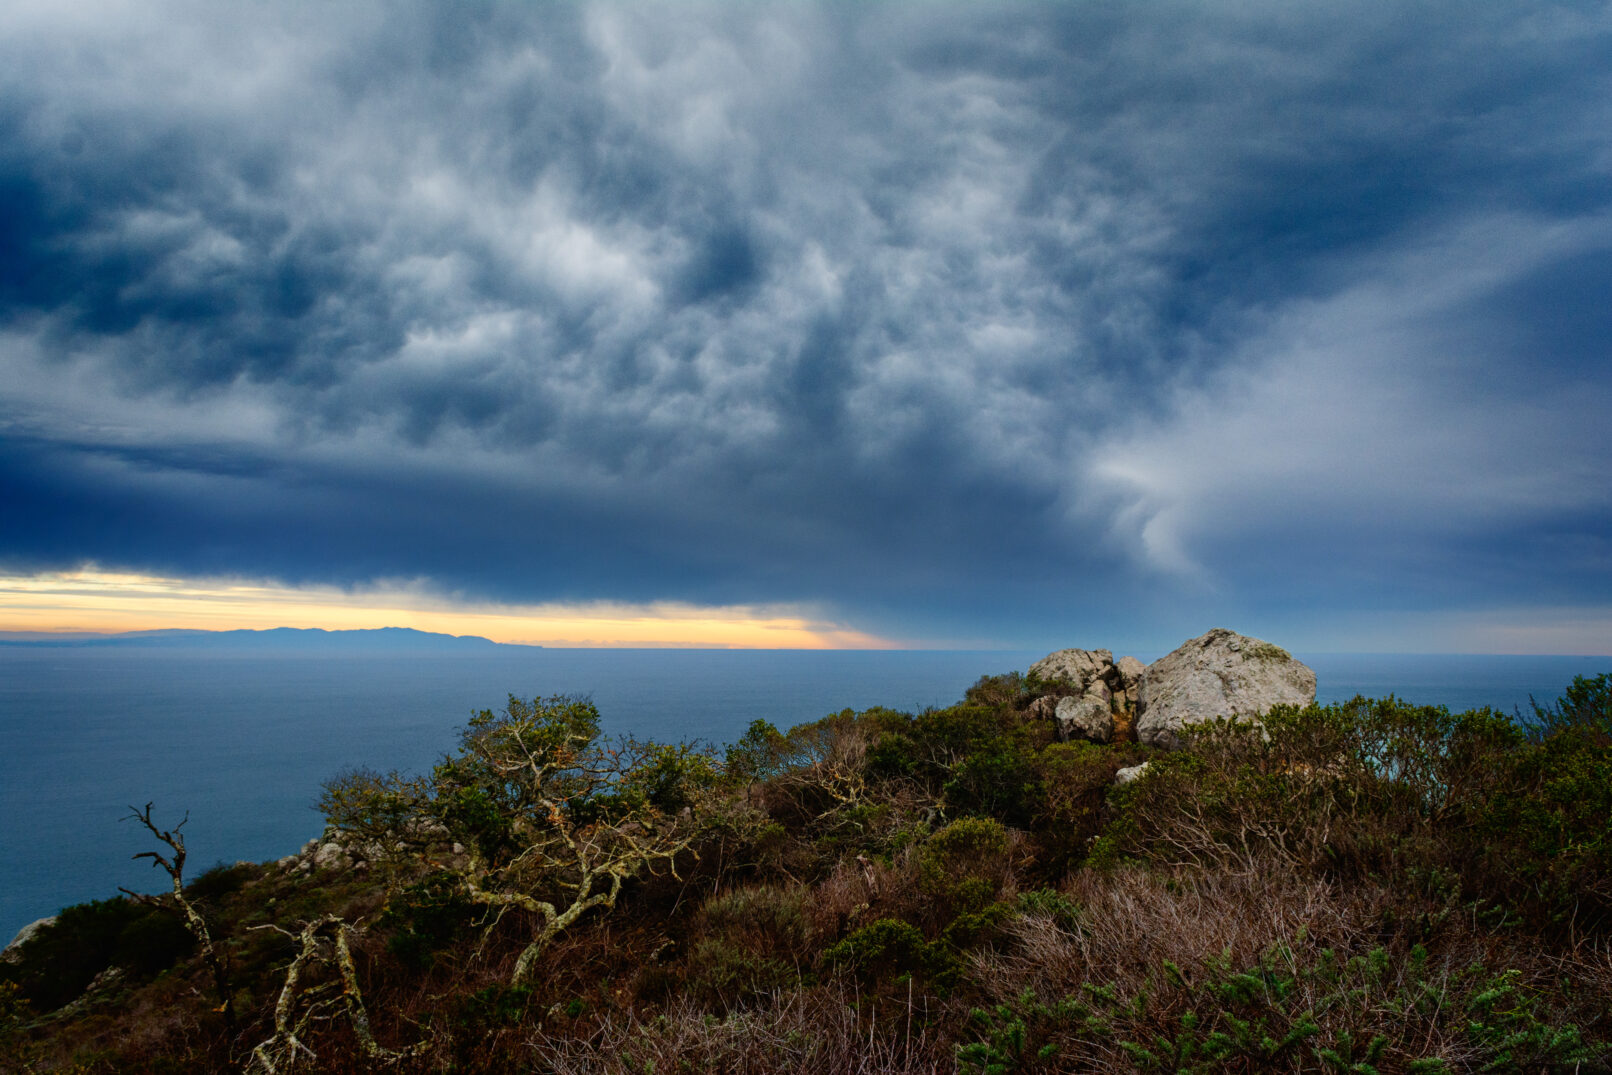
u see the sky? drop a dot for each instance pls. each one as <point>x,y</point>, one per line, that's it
<point>943,325</point>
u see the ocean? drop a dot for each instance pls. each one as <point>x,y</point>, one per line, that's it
<point>241,742</point>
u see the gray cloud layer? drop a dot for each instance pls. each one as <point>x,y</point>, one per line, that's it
<point>963,319</point>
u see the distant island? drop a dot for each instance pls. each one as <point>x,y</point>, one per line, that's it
<point>386,639</point>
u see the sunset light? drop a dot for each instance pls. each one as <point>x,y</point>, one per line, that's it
<point>91,601</point>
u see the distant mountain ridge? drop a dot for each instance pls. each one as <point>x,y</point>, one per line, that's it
<point>388,639</point>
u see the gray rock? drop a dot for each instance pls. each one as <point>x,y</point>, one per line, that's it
<point>1086,717</point>
<point>1078,666</point>
<point>1219,674</point>
<point>13,950</point>
<point>332,856</point>
<point>1043,708</point>
<point>1130,772</point>
<point>1128,674</point>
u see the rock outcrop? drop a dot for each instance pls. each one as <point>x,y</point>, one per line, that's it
<point>1219,674</point>
<point>1103,688</point>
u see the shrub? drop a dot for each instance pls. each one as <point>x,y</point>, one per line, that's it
<point>882,949</point>
<point>963,865</point>
<point>1586,705</point>
<point>1074,779</point>
<point>1543,842</point>
<point>219,881</point>
<point>750,942</point>
<point>1282,1013</point>
<point>59,961</point>
<point>426,918</point>
<point>997,781</point>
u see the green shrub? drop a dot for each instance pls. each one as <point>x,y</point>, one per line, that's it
<point>881,949</point>
<point>749,941</point>
<point>1063,911</point>
<point>59,961</point>
<point>426,918</point>
<point>962,866</point>
<point>1010,691</point>
<point>893,755</point>
<point>1544,845</point>
<point>1074,779</point>
<point>1586,705</point>
<point>1381,788</point>
<point>997,781</point>
<point>1376,1011</point>
<point>220,881</point>
<point>757,755</point>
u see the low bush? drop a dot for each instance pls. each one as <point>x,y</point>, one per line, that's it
<point>62,958</point>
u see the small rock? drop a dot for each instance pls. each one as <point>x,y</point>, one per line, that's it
<point>1130,773</point>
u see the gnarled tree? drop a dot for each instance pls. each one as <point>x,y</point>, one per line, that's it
<point>173,864</point>
<point>300,1006</point>
<point>535,812</point>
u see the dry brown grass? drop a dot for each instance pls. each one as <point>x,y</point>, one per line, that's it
<point>1174,937</point>
<point>825,1030</point>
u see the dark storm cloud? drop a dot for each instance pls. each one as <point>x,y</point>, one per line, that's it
<point>942,315</point>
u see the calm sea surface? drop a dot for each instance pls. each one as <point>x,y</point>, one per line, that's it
<point>243,742</point>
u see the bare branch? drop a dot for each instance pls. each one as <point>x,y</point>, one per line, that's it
<point>216,960</point>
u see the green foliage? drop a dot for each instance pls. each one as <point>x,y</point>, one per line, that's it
<point>1063,911</point>
<point>1381,788</point>
<point>62,958</point>
<point>426,918</point>
<point>884,948</point>
<point>995,781</point>
<point>1585,706</point>
<point>220,881</point>
<point>757,755</point>
<point>1331,1015</point>
<point>962,865</point>
<point>753,941</point>
<point>1011,691</point>
<point>1074,778</point>
<point>892,756</point>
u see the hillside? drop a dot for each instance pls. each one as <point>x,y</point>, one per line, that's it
<point>1370,886</point>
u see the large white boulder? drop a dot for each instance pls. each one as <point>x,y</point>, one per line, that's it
<point>1219,674</point>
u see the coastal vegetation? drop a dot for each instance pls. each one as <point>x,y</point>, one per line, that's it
<point>1372,886</point>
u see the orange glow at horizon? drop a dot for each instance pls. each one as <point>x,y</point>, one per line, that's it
<point>103,602</point>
